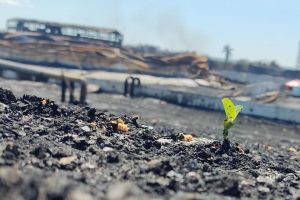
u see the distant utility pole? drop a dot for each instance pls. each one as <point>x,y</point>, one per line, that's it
<point>298,57</point>
<point>228,51</point>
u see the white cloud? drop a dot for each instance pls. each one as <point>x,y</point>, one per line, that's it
<point>17,3</point>
<point>11,2</point>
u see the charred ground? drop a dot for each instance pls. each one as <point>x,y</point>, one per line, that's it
<point>51,151</point>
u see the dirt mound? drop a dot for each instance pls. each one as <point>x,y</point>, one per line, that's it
<point>53,152</point>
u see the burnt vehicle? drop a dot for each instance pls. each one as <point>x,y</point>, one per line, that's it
<point>75,33</point>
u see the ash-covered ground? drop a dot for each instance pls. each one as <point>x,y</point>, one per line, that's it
<point>53,151</point>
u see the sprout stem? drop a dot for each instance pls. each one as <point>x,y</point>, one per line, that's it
<point>225,134</point>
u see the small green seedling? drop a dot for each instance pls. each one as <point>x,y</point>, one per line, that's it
<point>231,112</point>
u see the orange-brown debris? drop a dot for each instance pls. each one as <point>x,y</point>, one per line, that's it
<point>44,102</point>
<point>120,121</point>
<point>294,150</point>
<point>93,125</point>
<point>122,127</point>
<point>187,138</point>
<point>269,147</point>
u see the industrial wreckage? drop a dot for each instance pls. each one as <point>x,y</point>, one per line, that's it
<point>89,48</point>
<point>92,51</point>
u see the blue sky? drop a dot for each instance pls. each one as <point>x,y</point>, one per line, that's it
<point>258,30</point>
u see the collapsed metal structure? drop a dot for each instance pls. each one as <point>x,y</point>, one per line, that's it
<point>89,48</point>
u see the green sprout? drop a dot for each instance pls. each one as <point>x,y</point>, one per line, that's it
<point>231,112</point>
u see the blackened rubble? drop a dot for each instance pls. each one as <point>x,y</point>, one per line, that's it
<point>55,152</point>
